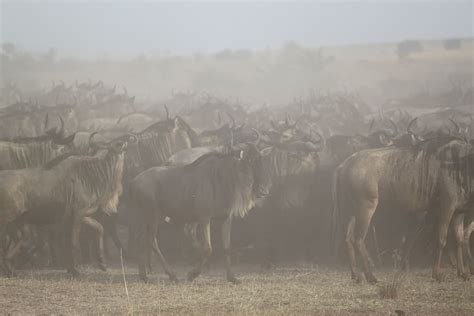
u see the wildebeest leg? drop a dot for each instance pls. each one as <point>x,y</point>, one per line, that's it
<point>206,250</point>
<point>132,241</point>
<point>458,223</point>
<point>442,233</point>
<point>110,226</point>
<point>163,261</point>
<point>145,242</point>
<point>363,215</point>
<point>99,229</point>
<point>226,236</point>
<point>74,244</point>
<point>351,251</point>
<point>468,229</point>
<point>4,264</point>
<point>147,245</point>
<point>408,247</point>
<point>144,249</point>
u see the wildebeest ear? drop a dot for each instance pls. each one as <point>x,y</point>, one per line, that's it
<point>383,139</point>
<point>124,146</point>
<point>238,154</point>
<point>266,151</point>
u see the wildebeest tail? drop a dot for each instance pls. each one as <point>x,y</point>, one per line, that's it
<point>339,218</point>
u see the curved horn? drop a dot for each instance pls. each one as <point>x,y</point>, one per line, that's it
<point>371,125</point>
<point>395,127</point>
<point>92,144</point>
<point>297,121</point>
<point>134,137</point>
<point>61,129</point>
<point>321,138</point>
<point>409,131</point>
<point>125,90</point>
<point>257,141</point>
<point>167,112</point>
<point>129,137</point>
<point>458,129</point>
<point>46,121</point>
<point>233,120</point>
<point>273,124</point>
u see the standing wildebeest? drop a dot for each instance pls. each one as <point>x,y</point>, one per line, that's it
<point>34,151</point>
<point>215,186</point>
<point>68,190</point>
<point>155,145</point>
<point>434,176</point>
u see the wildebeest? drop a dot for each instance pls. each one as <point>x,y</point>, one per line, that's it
<point>215,186</point>
<point>34,151</point>
<point>68,189</point>
<point>434,176</point>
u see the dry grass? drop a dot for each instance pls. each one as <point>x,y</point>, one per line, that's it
<point>391,289</point>
<point>297,289</point>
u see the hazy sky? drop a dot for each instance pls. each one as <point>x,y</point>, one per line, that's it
<point>93,28</point>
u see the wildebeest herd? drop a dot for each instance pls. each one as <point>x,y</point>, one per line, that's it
<point>324,167</point>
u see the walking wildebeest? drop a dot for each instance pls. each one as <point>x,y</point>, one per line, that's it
<point>435,175</point>
<point>215,186</point>
<point>67,190</point>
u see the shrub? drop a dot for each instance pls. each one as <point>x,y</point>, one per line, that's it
<point>408,47</point>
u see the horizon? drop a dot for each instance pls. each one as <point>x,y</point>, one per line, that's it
<point>163,28</point>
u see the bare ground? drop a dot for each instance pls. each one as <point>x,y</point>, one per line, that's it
<point>296,289</point>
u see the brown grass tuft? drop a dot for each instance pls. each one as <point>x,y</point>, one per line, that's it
<point>391,290</point>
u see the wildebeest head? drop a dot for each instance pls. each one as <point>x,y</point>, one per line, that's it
<point>223,134</point>
<point>117,145</point>
<point>250,159</point>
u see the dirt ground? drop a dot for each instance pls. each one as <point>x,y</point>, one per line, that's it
<point>292,289</point>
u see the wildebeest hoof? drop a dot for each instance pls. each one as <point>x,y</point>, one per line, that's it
<point>438,277</point>
<point>232,279</point>
<point>371,279</point>
<point>358,278</point>
<point>267,265</point>
<point>144,278</point>
<point>466,276</point>
<point>102,267</point>
<point>74,273</point>
<point>173,278</point>
<point>192,275</point>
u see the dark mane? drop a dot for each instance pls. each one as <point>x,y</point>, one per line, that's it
<point>160,126</point>
<point>198,161</point>
<point>431,145</point>
<point>28,140</point>
<point>56,161</point>
<point>195,142</point>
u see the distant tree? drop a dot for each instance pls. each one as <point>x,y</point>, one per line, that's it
<point>452,44</point>
<point>8,49</point>
<point>223,54</point>
<point>408,47</point>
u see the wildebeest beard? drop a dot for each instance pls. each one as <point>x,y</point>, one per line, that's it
<point>236,182</point>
